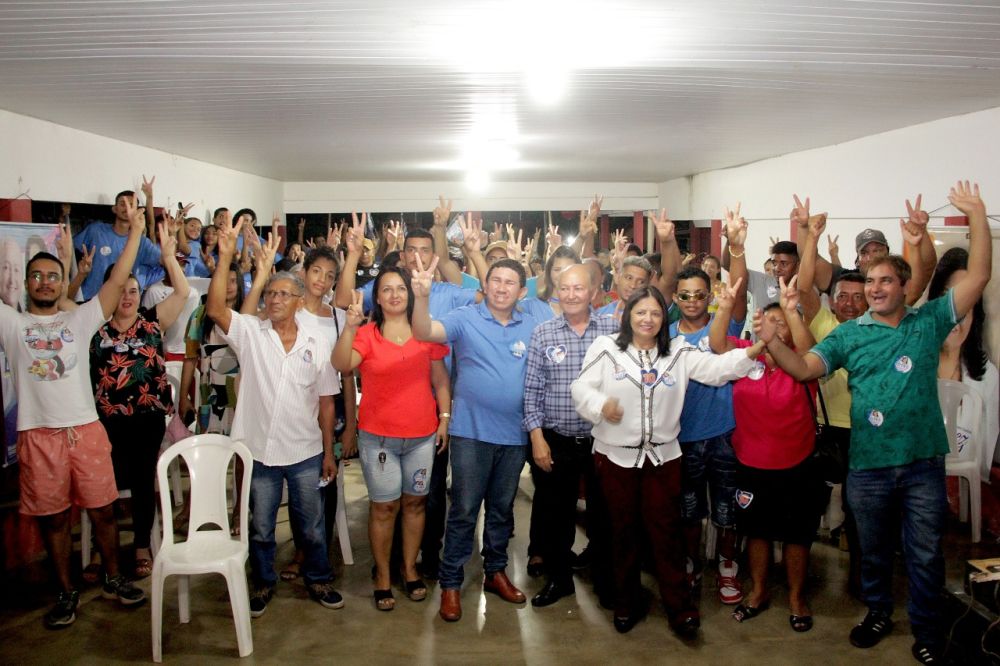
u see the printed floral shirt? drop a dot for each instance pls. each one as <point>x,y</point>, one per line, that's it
<point>127,368</point>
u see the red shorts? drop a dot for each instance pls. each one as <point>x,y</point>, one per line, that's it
<point>64,466</point>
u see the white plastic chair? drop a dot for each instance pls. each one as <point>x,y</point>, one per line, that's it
<point>964,462</point>
<point>206,551</point>
<point>173,370</point>
<point>343,536</point>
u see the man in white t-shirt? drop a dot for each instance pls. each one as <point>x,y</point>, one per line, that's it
<point>63,450</point>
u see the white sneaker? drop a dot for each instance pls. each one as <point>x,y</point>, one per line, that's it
<point>730,589</point>
<point>693,577</point>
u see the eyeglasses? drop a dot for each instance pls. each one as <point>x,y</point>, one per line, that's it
<point>38,276</point>
<point>280,295</point>
<point>696,296</point>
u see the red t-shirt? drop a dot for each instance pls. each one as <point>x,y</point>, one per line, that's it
<point>397,399</point>
<point>774,423</point>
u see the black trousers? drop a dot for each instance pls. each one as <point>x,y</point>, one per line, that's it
<point>135,448</point>
<point>553,510</point>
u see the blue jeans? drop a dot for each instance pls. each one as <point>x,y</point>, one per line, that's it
<point>912,496</point>
<point>305,510</point>
<point>479,472</point>
<point>712,463</point>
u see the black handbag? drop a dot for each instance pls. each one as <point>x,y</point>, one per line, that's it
<point>827,460</point>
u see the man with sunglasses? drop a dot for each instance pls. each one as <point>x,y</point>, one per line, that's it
<point>285,416</point>
<point>707,420</point>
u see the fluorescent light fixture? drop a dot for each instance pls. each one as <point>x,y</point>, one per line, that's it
<point>477,180</point>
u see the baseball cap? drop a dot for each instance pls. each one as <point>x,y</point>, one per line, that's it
<point>368,243</point>
<point>502,245</point>
<point>869,236</point>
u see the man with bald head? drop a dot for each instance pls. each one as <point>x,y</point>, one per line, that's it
<point>285,416</point>
<point>560,439</point>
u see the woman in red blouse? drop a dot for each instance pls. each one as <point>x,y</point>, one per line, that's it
<point>402,416</point>
<point>132,393</point>
<point>779,496</point>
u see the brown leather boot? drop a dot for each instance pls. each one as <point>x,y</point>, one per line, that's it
<point>451,605</point>
<point>500,585</point>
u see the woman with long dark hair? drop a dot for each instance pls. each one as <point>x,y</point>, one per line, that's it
<point>632,389</point>
<point>403,415</point>
<point>963,358</point>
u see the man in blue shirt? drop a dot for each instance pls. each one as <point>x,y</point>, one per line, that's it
<point>490,343</point>
<point>109,239</point>
<point>560,440</point>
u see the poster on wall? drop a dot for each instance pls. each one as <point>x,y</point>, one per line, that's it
<point>18,243</point>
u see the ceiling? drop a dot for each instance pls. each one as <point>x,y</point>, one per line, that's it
<point>355,90</point>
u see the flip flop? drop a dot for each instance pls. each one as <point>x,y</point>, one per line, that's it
<point>92,573</point>
<point>290,572</point>
<point>745,612</point>
<point>143,568</point>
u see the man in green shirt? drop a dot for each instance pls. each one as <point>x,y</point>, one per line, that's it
<point>898,441</point>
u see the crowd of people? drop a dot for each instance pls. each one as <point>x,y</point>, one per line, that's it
<point>633,376</point>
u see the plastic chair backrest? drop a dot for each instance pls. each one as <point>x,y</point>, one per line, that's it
<point>175,387</point>
<point>952,395</point>
<point>207,458</point>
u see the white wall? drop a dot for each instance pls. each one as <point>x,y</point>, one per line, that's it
<point>57,163</point>
<point>391,197</point>
<point>861,183</point>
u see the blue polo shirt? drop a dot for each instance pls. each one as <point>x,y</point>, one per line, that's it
<point>708,410</point>
<point>109,244</point>
<point>444,298</point>
<point>490,361</point>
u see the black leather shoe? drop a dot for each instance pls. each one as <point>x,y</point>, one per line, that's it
<point>687,628</point>
<point>623,625</point>
<point>551,593</point>
<point>536,568</point>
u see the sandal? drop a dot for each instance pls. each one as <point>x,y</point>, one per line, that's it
<point>384,601</point>
<point>143,568</point>
<point>92,573</point>
<point>291,571</point>
<point>416,590</point>
<point>800,623</point>
<point>745,612</point>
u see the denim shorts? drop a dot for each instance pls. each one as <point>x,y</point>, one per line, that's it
<point>710,462</point>
<point>405,467</point>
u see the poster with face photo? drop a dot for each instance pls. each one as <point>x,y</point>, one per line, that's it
<point>18,243</point>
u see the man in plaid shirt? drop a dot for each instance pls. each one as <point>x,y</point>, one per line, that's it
<point>560,439</point>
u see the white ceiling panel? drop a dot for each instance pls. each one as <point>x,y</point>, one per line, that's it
<point>395,90</point>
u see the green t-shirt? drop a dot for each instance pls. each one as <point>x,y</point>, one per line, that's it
<point>895,414</point>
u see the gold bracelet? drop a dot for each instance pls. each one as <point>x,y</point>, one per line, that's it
<point>737,256</point>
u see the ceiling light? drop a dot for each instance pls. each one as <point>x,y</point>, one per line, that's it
<point>477,180</point>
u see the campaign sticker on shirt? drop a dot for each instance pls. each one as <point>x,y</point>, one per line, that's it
<point>875,417</point>
<point>772,291</point>
<point>373,272</point>
<point>556,353</point>
<point>66,335</point>
<point>307,356</point>
<point>903,364</point>
<point>121,347</point>
<point>517,349</point>
<point>105,251</point>
<point>649,376</point>
<point>704,344</point>
<point>743,498</point>
<point>668,379</point>
<point>757,371</point>
<point>619,372</point>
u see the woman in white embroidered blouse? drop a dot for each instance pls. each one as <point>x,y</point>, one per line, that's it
<point>632,389</point>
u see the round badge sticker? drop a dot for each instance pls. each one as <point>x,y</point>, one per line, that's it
<point>619,372</point>
<point>668,379</point>
<point>875,418</point>
<point>903,364</point>
<point>704,344</point>
<point>757,371</point>
<point>105,251</point>
<point>772,291</point>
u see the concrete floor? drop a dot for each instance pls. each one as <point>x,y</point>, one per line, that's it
<point>574,631</point>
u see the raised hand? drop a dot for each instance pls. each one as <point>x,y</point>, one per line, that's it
<point>834,249</point>
<point>264,258</point>
<point>914,226</point>
<point>147,188</point>
<point>726,298</point>
<point>762,328</point>
<point>514,242</point>
<point>612,411</point>
<point>356,236</point>
<point>228,234</point>
<point>64,245</point>
<point>817,225</point>
<point>168,241</point>
<point>595,208</point>
<point>966,199</point>
<point>275,220</point>
<point>553,239</point>
<point>618,244</point>
<point>394,234</point>
<point>86,261</point>
<point>529,250</point>
<point>355,311</point>
<point>442,212</point>
<point>664,227</point>
<point>302,225</point>
<point>773,241</point>
<point>736,227</point>
<point>688,258</point>
<point>208,260</point>
<point>472,233</point>
<point>333,235</point>
<point>800,214</point>
<point>136,215</point>
<point>421,280</point>
<point>789,298</point>
<point>496,233</point>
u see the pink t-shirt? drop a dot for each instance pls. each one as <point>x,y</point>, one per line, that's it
<point>396,396</point>
<point>774,423</point>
